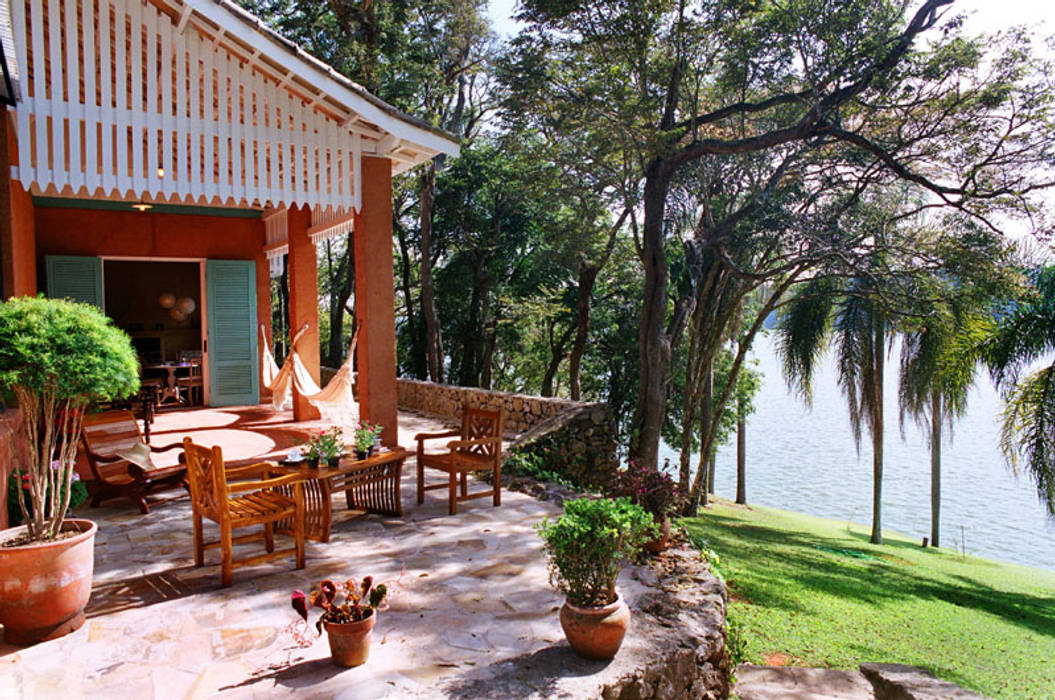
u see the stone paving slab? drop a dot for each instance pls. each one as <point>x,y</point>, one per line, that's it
<point>471,594</point>
<point>795,683</point>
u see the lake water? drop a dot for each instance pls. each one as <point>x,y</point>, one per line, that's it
<point>805,460</point>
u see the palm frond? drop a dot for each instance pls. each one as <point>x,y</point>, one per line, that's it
<point>802,334</point>
<point>1028,432</point>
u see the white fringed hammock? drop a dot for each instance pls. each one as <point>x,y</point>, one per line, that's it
<point>336,402</point>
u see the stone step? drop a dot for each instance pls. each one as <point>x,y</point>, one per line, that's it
<point>797,683</point>
<point>901,682</point>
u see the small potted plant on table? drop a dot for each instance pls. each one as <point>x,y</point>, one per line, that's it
<point>365,435</point>
<point>57,357</point>
<point>587,548</point>
<point>349,614</point>
<point>326,447</point>
<point>657,493</point>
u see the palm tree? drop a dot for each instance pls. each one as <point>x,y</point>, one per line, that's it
<point>849,313</point>
<point>1024,335</point>
<point>937,371</point>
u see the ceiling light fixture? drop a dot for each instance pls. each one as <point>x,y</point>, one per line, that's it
<point>142,206</point>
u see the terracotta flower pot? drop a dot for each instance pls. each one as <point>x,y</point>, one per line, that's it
<point>661,543</point>
<point>44,587</point>
<point>595,633</point>
<point>350,641</point>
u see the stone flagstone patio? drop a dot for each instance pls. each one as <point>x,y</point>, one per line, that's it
<point>472,616</point>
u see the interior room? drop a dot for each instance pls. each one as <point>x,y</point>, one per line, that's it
<point>158,304</point>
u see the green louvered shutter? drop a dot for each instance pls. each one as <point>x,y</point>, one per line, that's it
<point>231,286</point>
<point>75,277</point>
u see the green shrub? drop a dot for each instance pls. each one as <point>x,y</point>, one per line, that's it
<point>589,545</point>
<point>15,488</point>
<point>57,357</point>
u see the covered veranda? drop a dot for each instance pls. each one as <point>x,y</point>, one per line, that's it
<point>184,131</point>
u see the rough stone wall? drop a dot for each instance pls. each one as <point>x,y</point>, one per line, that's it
<point>521,412</point>
<point>574,440</point>
<point>578,445</point>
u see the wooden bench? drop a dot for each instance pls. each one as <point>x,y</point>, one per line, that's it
<point>120,461</point>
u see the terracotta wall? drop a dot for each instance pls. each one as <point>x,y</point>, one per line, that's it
<point>8,427</point>
<point>134,234</point>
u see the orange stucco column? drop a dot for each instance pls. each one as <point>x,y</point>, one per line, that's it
<point>374,300</point>
<point>18,246</point>
<point>303,301</point>
<point>263,309</point>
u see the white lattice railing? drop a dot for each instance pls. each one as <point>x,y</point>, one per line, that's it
<point>122,100</point>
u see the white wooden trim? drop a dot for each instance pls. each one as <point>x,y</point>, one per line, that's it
<point>220,127</point>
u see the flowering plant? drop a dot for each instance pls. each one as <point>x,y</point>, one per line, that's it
<point>653,490</point>
<point>22,487</point>
<point>352,601</point>
<point>365,434</point>
<point>326,445</point>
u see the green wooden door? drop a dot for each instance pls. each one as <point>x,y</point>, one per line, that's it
<point>233,362</point>
<point>75,277</point>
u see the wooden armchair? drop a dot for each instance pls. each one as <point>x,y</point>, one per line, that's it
<point>120,461</point>
<point>234,504</point>
<point>479,448</point>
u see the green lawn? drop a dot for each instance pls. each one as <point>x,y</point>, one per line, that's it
<point>816,593</point>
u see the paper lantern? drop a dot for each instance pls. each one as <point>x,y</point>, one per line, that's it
<point>186,305</point>
<point>167,300</point>
<point>177,315</point>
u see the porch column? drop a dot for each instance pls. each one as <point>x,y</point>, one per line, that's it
<point>303,301</point>
<point>18,244</point>
<point>374,300</point>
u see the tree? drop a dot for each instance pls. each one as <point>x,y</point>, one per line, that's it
<point>937,372</point>
<point>57,357</point>
<point>850,314</point>
<point>1023,335</point>
<point>679,86</point>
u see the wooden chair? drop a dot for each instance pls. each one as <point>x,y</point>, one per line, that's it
<point>236,504</point>
<point>192,384</point>
<point>478,449</point>
<point>120,462</point>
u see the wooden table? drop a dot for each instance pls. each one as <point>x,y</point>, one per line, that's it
<point>371,484</point>
<point>170,391</point>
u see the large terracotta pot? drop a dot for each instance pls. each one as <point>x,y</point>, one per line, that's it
<point>595,633</point>
<point>350,641</point>
<point>44,587</point>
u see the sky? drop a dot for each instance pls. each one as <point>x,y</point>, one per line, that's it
<point>985,15</point>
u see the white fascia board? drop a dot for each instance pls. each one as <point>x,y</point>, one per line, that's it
<point>316,73</point>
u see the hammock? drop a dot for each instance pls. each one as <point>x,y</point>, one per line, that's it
<point>336,403</point>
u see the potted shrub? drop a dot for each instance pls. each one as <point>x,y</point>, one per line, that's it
<point>56,357</point>
<point>365,435</point>
<point>587,548</point>
<point>656,492</point>
<point>326,446</point>
<point>349,612</point>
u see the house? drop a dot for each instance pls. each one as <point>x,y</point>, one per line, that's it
<point>181,148</point>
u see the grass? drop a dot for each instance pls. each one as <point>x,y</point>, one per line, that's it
<point>813,592</point>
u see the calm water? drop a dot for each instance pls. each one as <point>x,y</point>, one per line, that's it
<point>804,460</point>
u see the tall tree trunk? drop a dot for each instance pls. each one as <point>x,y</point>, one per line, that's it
<point>433,343</point>
<point>741,460</point>
<point>419,363</point>
<point>688,415</point>
<point>341,285</point>
<point>879,357</point>
<point>587,279</point>
<point>654,342</point>
<point>935,468</point>
<point>706,410</point>
<point>556,356</point>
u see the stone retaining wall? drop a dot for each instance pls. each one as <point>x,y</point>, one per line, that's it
<point>571,439</point>
<point>521,412</point>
